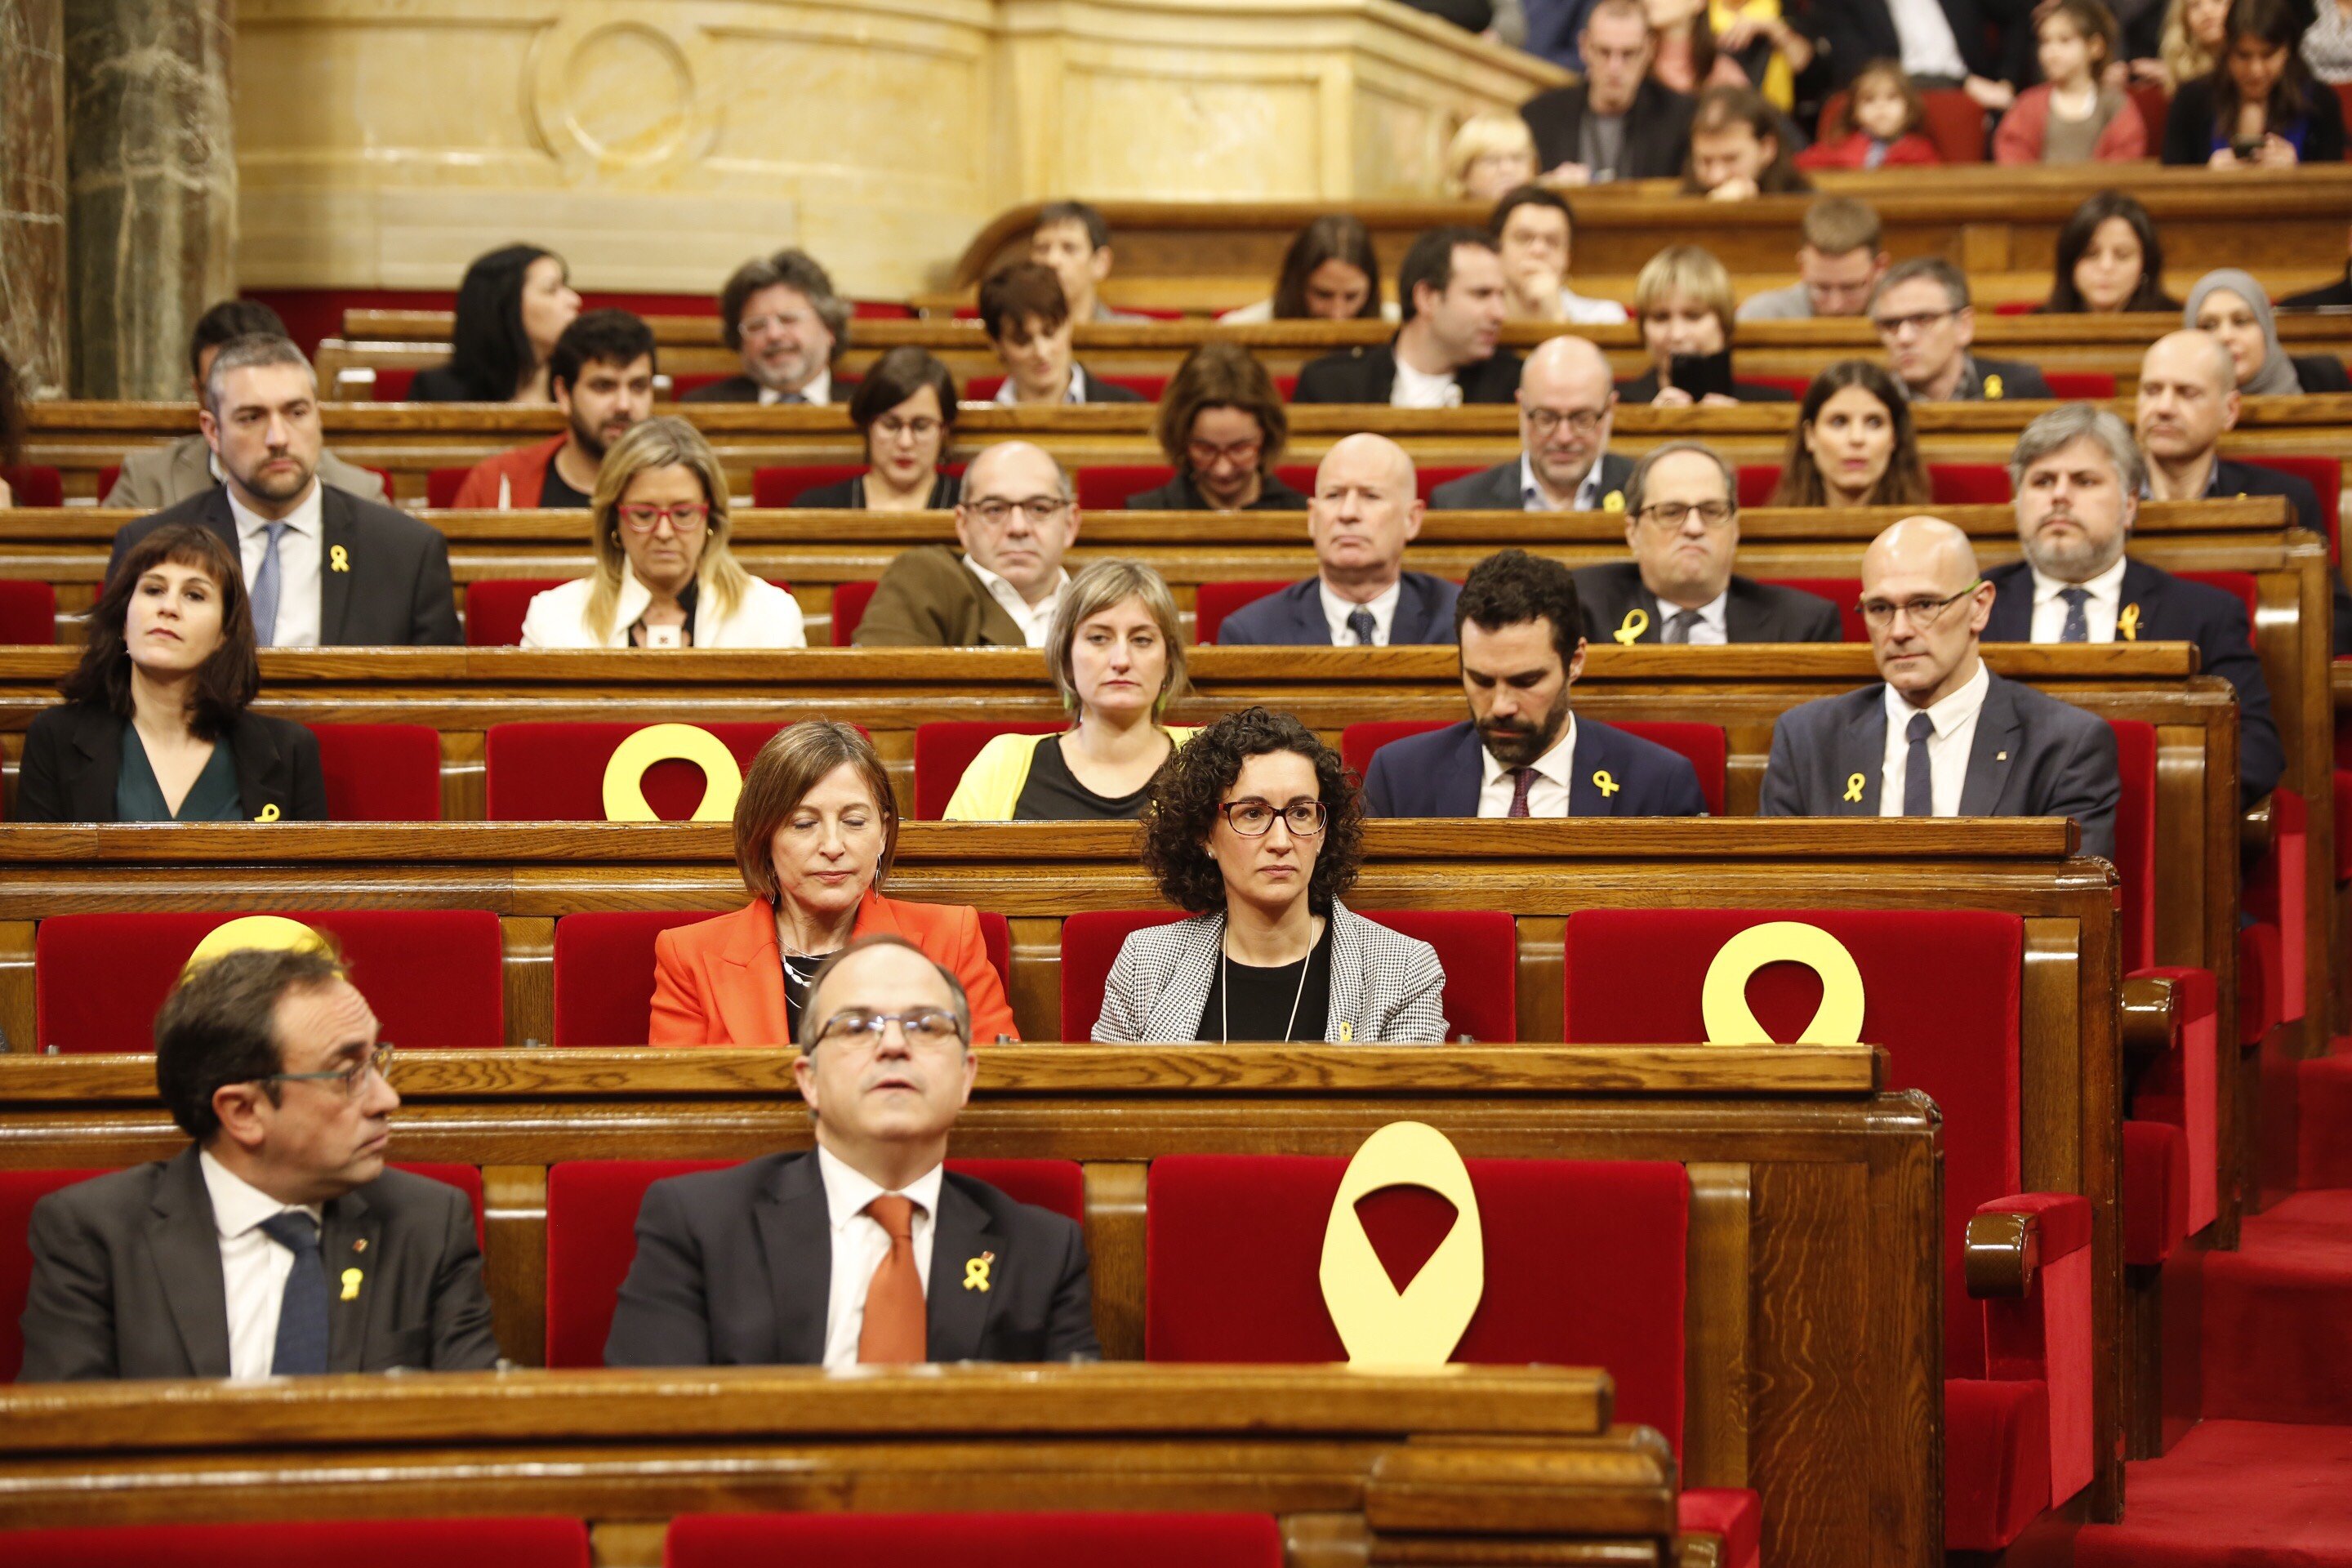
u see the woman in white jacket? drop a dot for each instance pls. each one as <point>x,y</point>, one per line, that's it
<point>664,576</point>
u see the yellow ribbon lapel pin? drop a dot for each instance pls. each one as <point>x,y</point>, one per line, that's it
<point>2127,624</point>
<point>337,559</point>
<point>1854,782</point>
<point>1992,387</point>
<point>1629,630</point>
<point>352,1284</point>
<point>1614,501</point>
<point>269,813</point>
<point>975,1272</point>
<point>1604,784</point>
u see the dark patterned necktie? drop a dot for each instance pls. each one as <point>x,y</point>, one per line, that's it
<point>2078,625</point>
<point>302,1313</point>
<point>1360,625</point>
<point>1522,781</point>
<point>1918,776</point>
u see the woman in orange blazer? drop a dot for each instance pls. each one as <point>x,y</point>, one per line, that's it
<point>815,832</point>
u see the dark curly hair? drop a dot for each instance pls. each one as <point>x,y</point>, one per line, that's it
<point>1184,801</point>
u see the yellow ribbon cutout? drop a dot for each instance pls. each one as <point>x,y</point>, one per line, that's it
<point>1723,1000</point>
<point>2128,622</point>
<point>1854,782</point>
<point>1993,387</point>
<point>625,796</point>
<point>268,812</point>
<point>270,932</point>
<point>1604,784</point>
<point>1346,1031</point>
<point>1614,501</point>
<point>338,559</point>
<point>1628,631</point>
<point>350,1284</point>
<point>975,1271</point>
<point>1420,1325</point>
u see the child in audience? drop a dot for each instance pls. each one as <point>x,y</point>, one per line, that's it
<point>1493,154</point>
<point>1877,127</point>
<point>2072,117</point>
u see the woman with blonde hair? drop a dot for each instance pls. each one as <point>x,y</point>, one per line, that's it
<point>2193,30</point>
<point>1682,300</point>
<point>1493,154</point>
<point>1116,656</point>
<point>664,576</point>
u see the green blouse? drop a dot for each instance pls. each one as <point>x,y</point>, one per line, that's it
<point>213,797</point>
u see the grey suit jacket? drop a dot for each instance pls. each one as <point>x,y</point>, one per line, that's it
<point>158,477</point>
<point>2033,756</point>
<point>1385,987</point>
<point>127,1279</point>
<point>1497,488</point>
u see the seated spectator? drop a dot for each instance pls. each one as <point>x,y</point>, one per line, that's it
<point>2231,306</point>
<point>2078,479</point>
<point>1923,315</point>
<point>1737,150</point>
<point>1683,299</point>
<point>1257,830</point>
<point>1071,240</point>
<point>1964,44</point>
<point>815,831</point>
<point>779,314</point>
<point>511,307</point>
<point>1029,325</point>
<point>2193,46</point>
<point>215,1263</point>
<point>1939,735</point>
<point>1533,229</point>
<point>1853,444</point>
<point>2109,259</point>
<point>326,568</point>
<point>1523,752</point>
<point>1016,517</point>
<point>1493,154</point>
<point>664,577</point>
<point>157,724</point>
<point>1838,263</point>
<point>1329,273</point>
<point>1728,44</point>
<point>1879,125</point>
<point>153,478</point>
<point>2074,115</point>
<point>12,426</point>
<point>905,411</point>
<point>1617,123</point>
<point>819,1258</point>
<point>1117,655</point>
<point>1221,422</point>
<point>2327,44</point>
<point>1682,523</point>
<point>1444,355</point>
<point>602,377</point>
<point>1567,404</point>
<point>2259,108</point>
<point>1366,509</point>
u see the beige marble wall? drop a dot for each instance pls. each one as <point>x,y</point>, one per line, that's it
<point>33,193</point>
<point>657,142</point>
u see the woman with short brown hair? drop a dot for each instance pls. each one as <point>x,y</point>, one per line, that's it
<point>1223,424</point>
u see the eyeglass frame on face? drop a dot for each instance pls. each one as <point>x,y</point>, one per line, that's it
<point>1654,514</point>
<point>922,428</point>
<point>875,1027</point>
<point>1917,320</point>
<point>354,1078</point>
<point>1924,611</point>
<point>996,511</point>
<point>1542,422</point>
<point>1240,454</point>
<point>687,517</point>
<point>1322,815</point>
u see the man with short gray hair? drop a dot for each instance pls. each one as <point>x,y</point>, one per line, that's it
<point>2077,476</point>
<point>1921,310</point>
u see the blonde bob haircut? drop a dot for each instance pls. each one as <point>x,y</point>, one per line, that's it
<point>1484,134</point>
<point>1686,270</point>
<point>1102,585</point>
<point>665,443</point>
<point>796,760</point>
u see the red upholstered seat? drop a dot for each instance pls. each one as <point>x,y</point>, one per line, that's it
<point>442,485</point>
<point>974,1540</point>
<point>1757,482</point>
<point>2154,102</point>
<point>494,607</point>
<point>849,602</point>
<point>555,772</point>
<point>2325,475</point>
<point>19,1191</point>
<point>391,386</point>
<point>357,1543</point>
<point>433,976</point>
<point>591,1219</point>
<point>782,485</point>
<point>1845,592</point>
<point>1106,488</point>
<point>1479,949</point>
<point>2277,895</point>
<point>29,613</point>
<point>943,751</point>
<point>1214,601</point>
<point>1794,385</point>
<point>1703,745</point>
<point>34,485</point>
<point>381,773</point>
<point>2094,384</point>
<point>682,382</point>
<point>1954,123</point>
<point>1967,484</point>
<point>106,478</point>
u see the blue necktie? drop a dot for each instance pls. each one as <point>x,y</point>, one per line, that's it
<point>265,590</point>
<point>1918,776</point>
<point>2078,625</point>
<point>302,1314</point>
<point>1361,626</point>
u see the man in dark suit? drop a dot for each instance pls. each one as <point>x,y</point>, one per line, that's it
<point>1365,510</point>
<point>1618,123</point>
<point>276,1243</point>
<point>2077,478</point>
<point>864,1251</point>
<point>1016,517</point>
<point>322,568</point>
<point>1681,521</point>
<point>1449,293</point>
<point>1567,400</point>
<point>1940,735</point>
<point>1922,312</point>
<point>780,312</point>
<point>1960,53</point>
<point>1523,752</point>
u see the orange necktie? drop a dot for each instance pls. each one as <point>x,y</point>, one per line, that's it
<point>894,1334</point>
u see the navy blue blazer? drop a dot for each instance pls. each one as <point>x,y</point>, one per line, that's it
<point>1438,774</point>
<point>2172,609</point>
<point>1294,617</point>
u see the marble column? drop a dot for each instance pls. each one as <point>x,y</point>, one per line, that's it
<point>33,193</point>
<point>151,173</point>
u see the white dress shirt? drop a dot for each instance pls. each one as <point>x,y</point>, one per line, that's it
<point>860,1243</point>
<point>2100,611</point>
<point>1929,47</point>
<point>1547,797</point>
<point>1583,310</point>
<point>1711,630</point>
<point>819,390</point>
<point>1335,611</point>
<point>1531,494</point>
<point>254,1269</point>
<point>1412,389</point>
<point>301,556</point>
<point>1955,722</point>
<point>1035,620</point>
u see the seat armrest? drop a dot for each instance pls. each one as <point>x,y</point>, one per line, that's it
<point>2257,830</point>
<point>2010,1239</point>
<point>2150,1016</point>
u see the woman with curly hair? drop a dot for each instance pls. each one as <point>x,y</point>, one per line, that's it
<point>1255,828</point>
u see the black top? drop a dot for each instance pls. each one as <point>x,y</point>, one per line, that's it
<point>1643,388</point>
<point>1183,493</point>
<point>556,490</point>
<point>1264,999</point>
<point>849,495</point>
<point>798,972</point>
<point>1052,793</point>
<point>2191,133</point>
<point>73,761</point>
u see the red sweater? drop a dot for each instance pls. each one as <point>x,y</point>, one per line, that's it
<point>524,469</point>
<point>1850,151</point>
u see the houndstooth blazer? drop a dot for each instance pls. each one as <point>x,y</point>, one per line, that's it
<point>1385,986</point>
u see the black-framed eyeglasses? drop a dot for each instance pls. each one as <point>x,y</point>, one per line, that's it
<point>1542,422</point>
<point>920,1025</point>
<point>354,1078</point>
<point>1917,320</point>
<point>1255,818</point>
<point>1924,611</point>
<point>1039,509</point>
<point>1671,515</point>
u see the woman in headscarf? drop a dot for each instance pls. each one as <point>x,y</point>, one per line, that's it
<point>2229,303</point>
